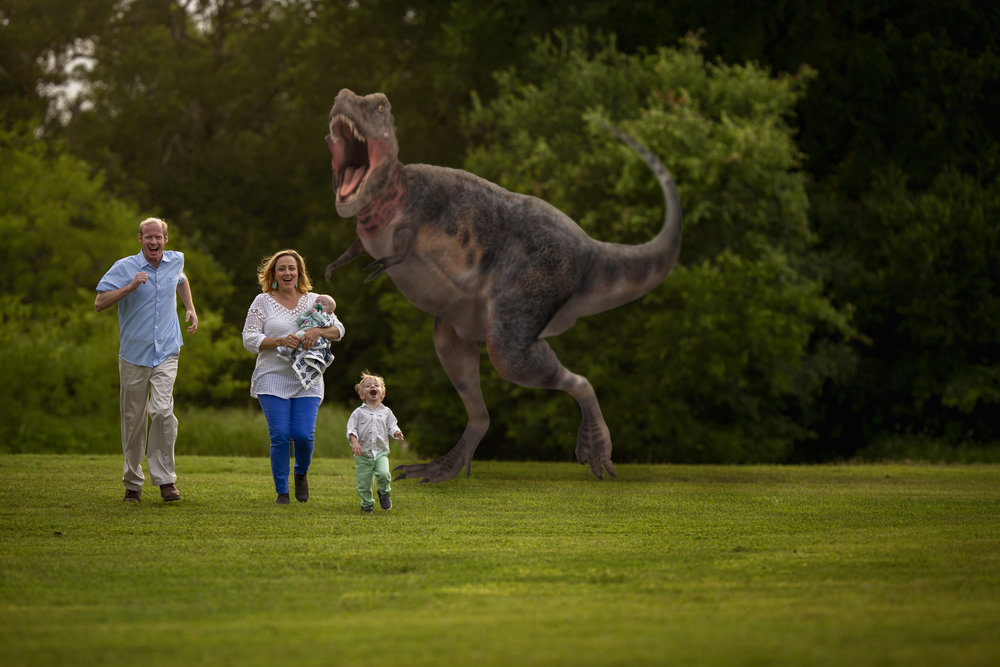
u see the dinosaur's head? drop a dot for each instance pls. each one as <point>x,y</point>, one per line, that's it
<point>362,140</point>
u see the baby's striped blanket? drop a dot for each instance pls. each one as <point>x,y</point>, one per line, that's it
<point>310,364</point>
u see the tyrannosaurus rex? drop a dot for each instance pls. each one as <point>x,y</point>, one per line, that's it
<point>492,266</point>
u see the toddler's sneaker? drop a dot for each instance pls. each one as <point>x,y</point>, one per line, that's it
<point>383,501</point>
<point>367,509</point>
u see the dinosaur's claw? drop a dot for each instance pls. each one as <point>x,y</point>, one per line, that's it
<point>599,467</point>
<point>425,472</point>
<point>593,447</point>
<point>439,470</point>
<point>379,265</point>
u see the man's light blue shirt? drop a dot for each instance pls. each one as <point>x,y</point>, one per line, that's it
<point>150,332</point>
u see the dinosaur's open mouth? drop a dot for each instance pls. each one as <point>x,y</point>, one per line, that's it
<point>351,159</point>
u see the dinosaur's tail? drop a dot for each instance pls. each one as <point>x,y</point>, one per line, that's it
<point>627,272</point>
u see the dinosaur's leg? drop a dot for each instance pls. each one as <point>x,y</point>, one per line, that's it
<point>460,359</point>
<point>535,365</point>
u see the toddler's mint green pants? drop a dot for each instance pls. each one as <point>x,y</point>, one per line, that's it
<point>366,467</point>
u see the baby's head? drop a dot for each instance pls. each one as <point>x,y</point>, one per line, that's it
<point>371,387</point>
<point>326,304</point>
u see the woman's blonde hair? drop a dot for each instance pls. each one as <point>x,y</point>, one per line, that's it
<point>266,277</point>
<point>364,376</point>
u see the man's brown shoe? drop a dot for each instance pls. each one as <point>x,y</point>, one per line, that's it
<point>169,492</point>
<point>132,496</point>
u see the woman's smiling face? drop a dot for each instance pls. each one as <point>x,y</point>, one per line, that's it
<point>286,272</point>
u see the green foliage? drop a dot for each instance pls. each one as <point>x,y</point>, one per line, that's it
<point>911,83</point>
<point>725,359</point>
<point>734,365</point>
<point>57,222</point>
<point>242,431</point>
<point>927,449</point>
<point>215,365</point>
<point>57,380</point>
<point>921,269</point>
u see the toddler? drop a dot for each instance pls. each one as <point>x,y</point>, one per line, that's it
<point>368,430</point>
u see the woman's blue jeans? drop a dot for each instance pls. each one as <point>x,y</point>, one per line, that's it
<point>290,420</point>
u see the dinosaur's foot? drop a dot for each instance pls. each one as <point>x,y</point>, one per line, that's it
<point>593,447</point>
<point>439,470</point>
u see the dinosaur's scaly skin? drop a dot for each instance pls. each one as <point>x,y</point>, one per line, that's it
<point>492,266</point>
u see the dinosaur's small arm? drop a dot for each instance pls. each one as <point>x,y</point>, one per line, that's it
<point>492,266</point>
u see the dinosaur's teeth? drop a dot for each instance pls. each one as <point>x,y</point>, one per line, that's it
<point>340,118</point>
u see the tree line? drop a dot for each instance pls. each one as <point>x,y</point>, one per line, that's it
<point>838,167</point>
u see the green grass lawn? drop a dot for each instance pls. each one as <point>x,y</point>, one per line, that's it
<point>521,564</point>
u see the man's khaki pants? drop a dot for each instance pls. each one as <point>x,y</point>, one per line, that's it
<point>147,394</point>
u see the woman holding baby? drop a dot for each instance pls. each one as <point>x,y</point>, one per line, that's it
<point>290,403</point>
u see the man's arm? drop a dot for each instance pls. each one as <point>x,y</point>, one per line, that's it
<point>190,315</point>
<point>107,299</point>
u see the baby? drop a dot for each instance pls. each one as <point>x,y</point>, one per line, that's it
<point>320,315</point>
